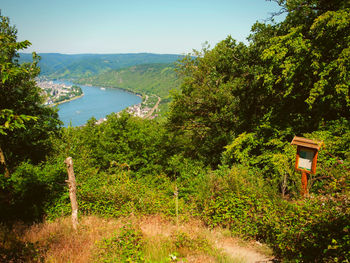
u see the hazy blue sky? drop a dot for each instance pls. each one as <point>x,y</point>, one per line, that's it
<point>132,26</point>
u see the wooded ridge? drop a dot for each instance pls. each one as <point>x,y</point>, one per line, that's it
<point>157,78</point>
<point>63,66</point>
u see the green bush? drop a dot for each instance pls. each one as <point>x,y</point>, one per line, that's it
<point>29,191</point>
<point>125,247</point>
<point>314,229</point>
<point>119,194</point>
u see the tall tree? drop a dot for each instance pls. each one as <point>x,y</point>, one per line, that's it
<point>305,63</point>
<point>205,111</point>
<point>292,78</point>
<point>21,101</point>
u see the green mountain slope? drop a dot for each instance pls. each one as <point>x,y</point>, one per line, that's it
<point>157,78</point>
<point>63,66</point>
<point>52,62</point>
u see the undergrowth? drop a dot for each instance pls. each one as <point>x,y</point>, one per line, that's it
<point>243,198</point>
<point>131,239</point>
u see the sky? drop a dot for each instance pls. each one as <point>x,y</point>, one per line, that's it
<point>132,26</point>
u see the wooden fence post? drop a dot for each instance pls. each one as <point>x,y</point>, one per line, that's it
<point>72,191</point>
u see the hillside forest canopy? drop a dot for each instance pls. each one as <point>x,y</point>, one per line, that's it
<point>54,65</point>
<point>224,148</point>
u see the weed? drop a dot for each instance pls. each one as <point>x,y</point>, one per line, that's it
<point>125,247</point>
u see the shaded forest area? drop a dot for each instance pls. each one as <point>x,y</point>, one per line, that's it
<point>222,156</point>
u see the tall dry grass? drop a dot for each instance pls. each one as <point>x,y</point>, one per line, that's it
<point>189,241</point>
<point>67,245</point>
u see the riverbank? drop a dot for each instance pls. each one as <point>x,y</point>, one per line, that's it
<point>74,98</point>
<point>128,91</point>
<point>111,87</point>
<point>97,103</point>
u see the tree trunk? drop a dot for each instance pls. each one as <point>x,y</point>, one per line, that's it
<point>3,162</point>
<point>72,191</point>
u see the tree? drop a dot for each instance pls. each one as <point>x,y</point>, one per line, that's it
<point>12,122</point>
<point>206,110</point>
<point>21,103</point>
<point>291,79</point>
<point>305,64</point>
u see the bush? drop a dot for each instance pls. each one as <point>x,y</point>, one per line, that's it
<point>125,247</point>
<point>118,194</point>
<point>29,191</point>
<point>308,230</point>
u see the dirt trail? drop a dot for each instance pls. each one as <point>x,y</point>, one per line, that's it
<point>236,250</point>
<point>246,254</point>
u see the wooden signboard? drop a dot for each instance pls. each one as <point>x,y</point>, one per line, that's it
<point>306,159</point>
<point>307,153</point>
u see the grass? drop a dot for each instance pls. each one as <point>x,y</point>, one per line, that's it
<point>143,239</point>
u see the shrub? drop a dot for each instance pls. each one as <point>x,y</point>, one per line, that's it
<point>312,229</point>
<point>125,247</point>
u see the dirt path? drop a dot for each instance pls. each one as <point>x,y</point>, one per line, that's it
<point>235,249</point>
<point>246,253</point>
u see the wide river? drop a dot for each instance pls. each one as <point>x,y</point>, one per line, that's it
<point>95,103</point>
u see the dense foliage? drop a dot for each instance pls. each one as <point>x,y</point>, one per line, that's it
<point>21,101</point>
<point>290,80</point>
<point>26,128</point>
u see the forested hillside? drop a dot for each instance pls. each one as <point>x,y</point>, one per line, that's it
<point>76,66</point>
<point>223,157</point>
<point>156,79</point>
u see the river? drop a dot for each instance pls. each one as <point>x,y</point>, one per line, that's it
<point>96,102</point>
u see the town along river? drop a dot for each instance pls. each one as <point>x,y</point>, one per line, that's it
<point>96,102</point>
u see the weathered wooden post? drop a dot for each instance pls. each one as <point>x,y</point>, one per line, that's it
<point>306,159</point>
<point>72,191</point>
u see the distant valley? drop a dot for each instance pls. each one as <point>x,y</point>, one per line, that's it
<point>62,66</point>
<point>142,73</point>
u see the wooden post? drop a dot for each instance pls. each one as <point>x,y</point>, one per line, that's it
<point>304,191</point>
<point>72,191</point>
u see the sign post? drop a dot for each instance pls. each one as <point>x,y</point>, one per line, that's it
<point>306,159</point>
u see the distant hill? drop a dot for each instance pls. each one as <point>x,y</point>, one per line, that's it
<point>52,62</point>
<point>156,78</point>
<point>54,65</point>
